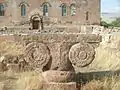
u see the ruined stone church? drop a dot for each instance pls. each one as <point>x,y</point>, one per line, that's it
<point>74,11</point>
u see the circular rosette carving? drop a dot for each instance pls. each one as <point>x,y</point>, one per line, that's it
<point>37,55</point>
<point>81,54</point>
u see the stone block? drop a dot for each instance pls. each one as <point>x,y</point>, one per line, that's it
<point>58,76</point>
<point>3,67</point>
<point>13,67</point>
<point>2,86</point>
<point>60,86</point>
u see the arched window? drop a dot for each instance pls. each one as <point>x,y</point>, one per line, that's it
<point>2,10</point>
<point>23,10</point>
<point>64,10</point>
<point>45,9</point>
<point>87,15</point>
<point>72,10</point>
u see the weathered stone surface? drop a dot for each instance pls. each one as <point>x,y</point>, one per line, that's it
<point>60,86</point>
<point>58,76</point>
<point>13,63</point>
<point>60,37</point>
<point>2,86</point>
<point>13,67</point>
<point>65,64</point>
<point>81,54</point>
<point>9,59</point>
<point>37,55</point>
<point>61,61</point>
<point>3,67</point>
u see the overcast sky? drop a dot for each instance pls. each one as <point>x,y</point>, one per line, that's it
<point>110,6</point>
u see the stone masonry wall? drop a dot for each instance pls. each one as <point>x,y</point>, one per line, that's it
<point>13,11</point>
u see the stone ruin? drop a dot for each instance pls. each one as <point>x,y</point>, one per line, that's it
<point>57,56</point>
<point>58,51</point>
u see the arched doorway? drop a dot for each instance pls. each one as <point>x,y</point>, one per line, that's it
<point>35,23</point>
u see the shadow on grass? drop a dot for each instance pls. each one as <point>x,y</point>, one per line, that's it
<point>86,77</point>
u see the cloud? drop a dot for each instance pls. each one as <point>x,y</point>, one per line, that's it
<point>112,9</point>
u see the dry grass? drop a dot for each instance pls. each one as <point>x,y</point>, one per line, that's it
<point>10,48</point>
<point>30,81</point>
<point>34,81</point>
<point>107,56</point>
<point>93,85</point>
<point>106,59</point>
<point>105,84</point>
<point>1,86</point>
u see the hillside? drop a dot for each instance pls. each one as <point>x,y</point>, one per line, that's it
<point>109,17</point>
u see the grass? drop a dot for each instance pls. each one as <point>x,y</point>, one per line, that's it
<point>30,81</point>
<point>21,81</point>
<point>106,83</point>
<point>10,47</point>
<point>107,58</point>
<point>34,81</point>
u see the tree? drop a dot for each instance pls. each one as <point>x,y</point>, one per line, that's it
<point>105,24</point>
<point>116,23</point>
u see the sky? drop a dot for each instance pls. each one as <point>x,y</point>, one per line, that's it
<point>110,6</point>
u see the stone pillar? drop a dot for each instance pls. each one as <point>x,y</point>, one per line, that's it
<point>59,80</point>
<point>14,12</point>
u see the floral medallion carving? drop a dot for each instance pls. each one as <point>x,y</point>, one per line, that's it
<point>37,54</point>
<point>81,54</point>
